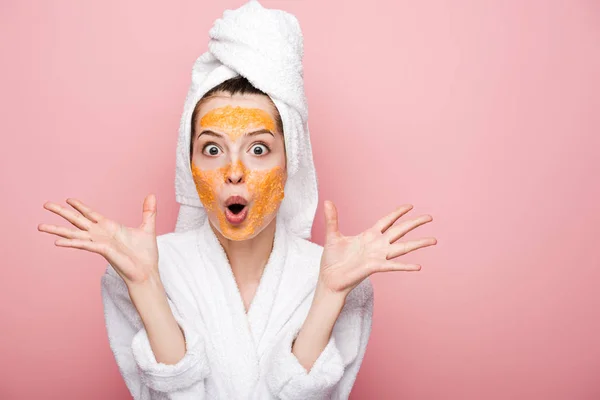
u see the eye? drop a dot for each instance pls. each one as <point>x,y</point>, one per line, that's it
<point>259,149</point>
<point>213,150</point>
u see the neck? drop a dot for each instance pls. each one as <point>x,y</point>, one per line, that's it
<point>248,258</point>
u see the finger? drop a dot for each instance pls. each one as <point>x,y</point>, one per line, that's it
<point>149,214</point>
<point>68,233</point>
<point>399,230</point>
<point>85,210</point>
<point>94,247</point>
<point>397,266</point>
<point>113,257</point>
<point>384,223</point>
<point>398,249</point>
<point>331,219</point>
<point>73,217</point>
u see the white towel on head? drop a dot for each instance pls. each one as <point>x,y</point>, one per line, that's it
<point>266,47</point>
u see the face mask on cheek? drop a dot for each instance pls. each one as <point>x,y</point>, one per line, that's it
<point>265,189</point>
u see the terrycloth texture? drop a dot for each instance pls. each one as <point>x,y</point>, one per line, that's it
<point>265,46</point>
<point>231,354</point>
<point>144,377</point>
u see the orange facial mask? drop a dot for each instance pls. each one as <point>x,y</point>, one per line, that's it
<point>265,187</point>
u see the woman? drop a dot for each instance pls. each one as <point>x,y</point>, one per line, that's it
<point>237,303</point>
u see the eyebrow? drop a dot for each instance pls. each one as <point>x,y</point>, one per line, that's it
<point>253,133</point>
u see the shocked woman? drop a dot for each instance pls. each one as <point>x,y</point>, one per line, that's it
<point>237,303</point>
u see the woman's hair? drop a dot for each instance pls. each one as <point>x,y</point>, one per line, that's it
<point>238,84</point>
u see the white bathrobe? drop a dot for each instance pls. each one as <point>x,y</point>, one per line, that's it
<point>231,354</point>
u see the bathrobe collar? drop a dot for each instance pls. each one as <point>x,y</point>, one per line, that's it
<point>238,335</point>
<point>262,303</point>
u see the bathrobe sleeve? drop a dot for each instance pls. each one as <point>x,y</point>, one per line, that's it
<point>144,376</point>
<point>334,372</point>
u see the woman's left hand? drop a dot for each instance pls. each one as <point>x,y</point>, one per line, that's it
<point>348,260</point>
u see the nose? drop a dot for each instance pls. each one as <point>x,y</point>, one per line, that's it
<point>236,173</point>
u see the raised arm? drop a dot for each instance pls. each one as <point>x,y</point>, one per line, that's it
<point>326,361</point>
<point>155,346</point>
<point>130,341</point>
<point>333,373</point>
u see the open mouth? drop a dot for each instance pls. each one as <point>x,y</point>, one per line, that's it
<point>236,208</point>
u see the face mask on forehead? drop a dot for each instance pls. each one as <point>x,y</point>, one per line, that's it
<point>261,185</point>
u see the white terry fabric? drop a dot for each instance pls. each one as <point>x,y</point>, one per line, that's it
<point>265,46</point>
<point>232,354</point>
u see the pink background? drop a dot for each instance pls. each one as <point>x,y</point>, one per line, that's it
<point>484,114</point>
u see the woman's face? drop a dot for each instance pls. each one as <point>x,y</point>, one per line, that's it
<point>239,163</point>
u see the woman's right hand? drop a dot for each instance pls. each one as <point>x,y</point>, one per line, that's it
<point>133,252</point>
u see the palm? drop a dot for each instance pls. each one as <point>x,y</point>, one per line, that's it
<point>133,252</point>
<point>342,255</point>
<point>134,248</point>
<point>348,260</point>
